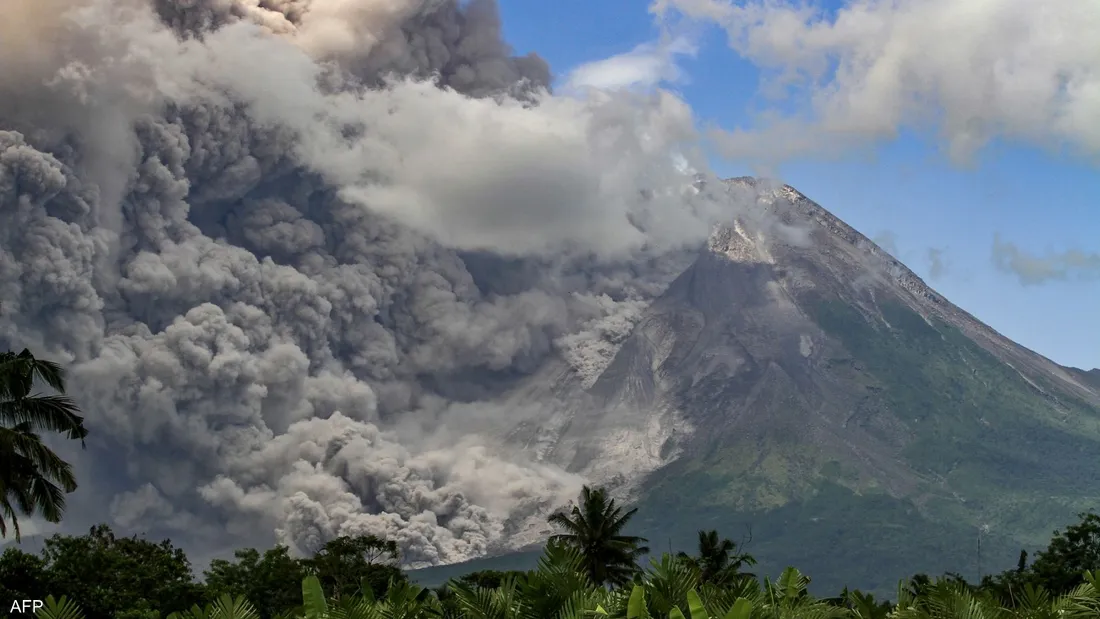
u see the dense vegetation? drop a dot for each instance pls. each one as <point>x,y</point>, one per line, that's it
<point>588,569</point>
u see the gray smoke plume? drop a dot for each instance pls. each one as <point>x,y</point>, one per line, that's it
<point>1032,269</point>
<point>292,250</point>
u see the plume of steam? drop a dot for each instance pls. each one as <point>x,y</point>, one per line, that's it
<point>266,237</point>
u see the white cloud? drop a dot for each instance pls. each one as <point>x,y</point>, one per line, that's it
<point>972,71</point>
<point>645,66</point>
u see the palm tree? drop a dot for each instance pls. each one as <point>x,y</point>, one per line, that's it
<point>718,561</point>
<point>594,529</point>
<point>32,477</point>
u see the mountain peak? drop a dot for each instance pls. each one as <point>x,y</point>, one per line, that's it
<point>786,218</point>
<point>794,360</point>
<point>777,225</point>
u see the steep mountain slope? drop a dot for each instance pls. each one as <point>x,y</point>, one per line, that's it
<point>799,380</point>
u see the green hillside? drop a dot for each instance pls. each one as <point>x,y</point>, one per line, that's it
<point>987,447</point>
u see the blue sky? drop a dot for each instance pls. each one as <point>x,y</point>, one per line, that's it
<point>902,189</point>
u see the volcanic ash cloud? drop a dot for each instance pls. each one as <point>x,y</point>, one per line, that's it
<point>251,231</point>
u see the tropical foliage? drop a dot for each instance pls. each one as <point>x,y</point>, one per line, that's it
<point>33,479</point>
<point>718,561</point>
<point>101,576</point>
<point>560,589</point>
<point>595,529</point>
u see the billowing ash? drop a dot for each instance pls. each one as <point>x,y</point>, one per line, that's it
<point>292,250</point>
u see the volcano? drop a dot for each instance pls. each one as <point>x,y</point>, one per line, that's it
<point>799,387</point>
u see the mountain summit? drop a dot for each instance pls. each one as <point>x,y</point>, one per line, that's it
<point>799,382</point>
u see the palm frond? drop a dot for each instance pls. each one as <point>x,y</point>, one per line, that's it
<point>19,371</point>
<point>45,413</point>
<point>62,608</point>
<point>230,607</point>
<point>20,442</point>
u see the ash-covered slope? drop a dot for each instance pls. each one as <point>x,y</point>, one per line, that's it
<point>799,379</point>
